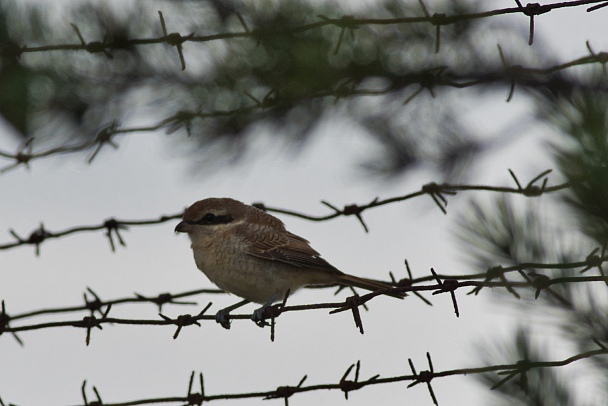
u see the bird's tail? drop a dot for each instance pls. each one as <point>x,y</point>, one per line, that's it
<point>368,284</point>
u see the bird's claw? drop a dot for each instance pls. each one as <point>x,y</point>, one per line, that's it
<point>222,318</point>
<point>258,317</point>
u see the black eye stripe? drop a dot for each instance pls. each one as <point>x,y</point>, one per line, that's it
<point>210,218</point>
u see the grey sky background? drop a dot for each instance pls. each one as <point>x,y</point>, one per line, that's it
<point>149,176</point>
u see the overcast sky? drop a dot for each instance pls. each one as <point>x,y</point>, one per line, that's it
<point>148,176</point>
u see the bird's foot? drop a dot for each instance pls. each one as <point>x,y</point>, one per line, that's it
<point>258,316</point>
<point>222,318</point>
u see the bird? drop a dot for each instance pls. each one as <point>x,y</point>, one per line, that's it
<point>249,253</point>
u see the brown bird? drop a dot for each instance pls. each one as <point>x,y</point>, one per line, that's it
<point>248,252</point>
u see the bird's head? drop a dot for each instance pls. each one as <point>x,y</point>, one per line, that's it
<point>208,214</point>
<point>213,216</point>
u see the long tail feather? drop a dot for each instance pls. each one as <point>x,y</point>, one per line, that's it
<point>367,284</point>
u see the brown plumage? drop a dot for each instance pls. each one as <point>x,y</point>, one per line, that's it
<point>248,252</point>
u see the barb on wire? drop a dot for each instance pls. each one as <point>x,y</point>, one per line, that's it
<point>596,261</point>
<point>23,156</point>
<point>174,39</point>
<point>448,285</point>
<point>194,398</point>
<point>531,10</point>
<point>104,137</point>
<point>344,23</point>
<point>185,320</point>
<point>91,321</point>
<point>83,391</point>
<point>36,237</point>
<point>351,210</point>
<point>437,19</point>
<point>512,72</point>
<point>353,303</point>
<point>165,298</point>
<point>94,305</point>
<point>436,192</point>
<point>408,282</point>
<point>4,324</point>
<point>542,282</point>
<point>286,392</point>
<point>112,228</point>
<point>521,367</point>
<point>347,385</point>
<point>532,190</point>
<point>91,47</point>
<point>600,58</point>
<point>272,312</point>
<point>493,273</point>
<point>424,377</point>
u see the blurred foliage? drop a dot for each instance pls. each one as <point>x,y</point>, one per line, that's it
<point>583,159</point>
<point>301,78</point>
<point>504,231</point>
<point>500,232</point>
<point>539,386</point>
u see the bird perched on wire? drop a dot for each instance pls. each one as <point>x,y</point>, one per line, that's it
<point>248,252</point>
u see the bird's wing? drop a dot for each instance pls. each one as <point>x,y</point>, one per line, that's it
<point>281,245</point>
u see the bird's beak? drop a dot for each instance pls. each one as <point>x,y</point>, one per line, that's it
<point>183,227</point>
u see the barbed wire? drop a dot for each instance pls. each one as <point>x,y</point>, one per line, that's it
<point>495,277</point>
<point>96,304</point>
<point>427,79</point>
<point>593,260</point>
<point>444,284</point>
<point>438,192</point>
<point>346,22</point>
<point>348,384</point>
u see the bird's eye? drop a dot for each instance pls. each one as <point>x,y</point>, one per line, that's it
<point>208,218</point>
<point>212,219</point>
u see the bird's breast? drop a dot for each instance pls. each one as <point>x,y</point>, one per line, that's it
<point>252,278</point>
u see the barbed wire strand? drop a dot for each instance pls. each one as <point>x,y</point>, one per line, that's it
<point>593,260</point>
<point>437,192</point>
<point>346,384</point>
<point>106,136</point>
<point>444,284</point>
<point>428,79</point>
<point>344,22</point>
<point>511,371</point>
